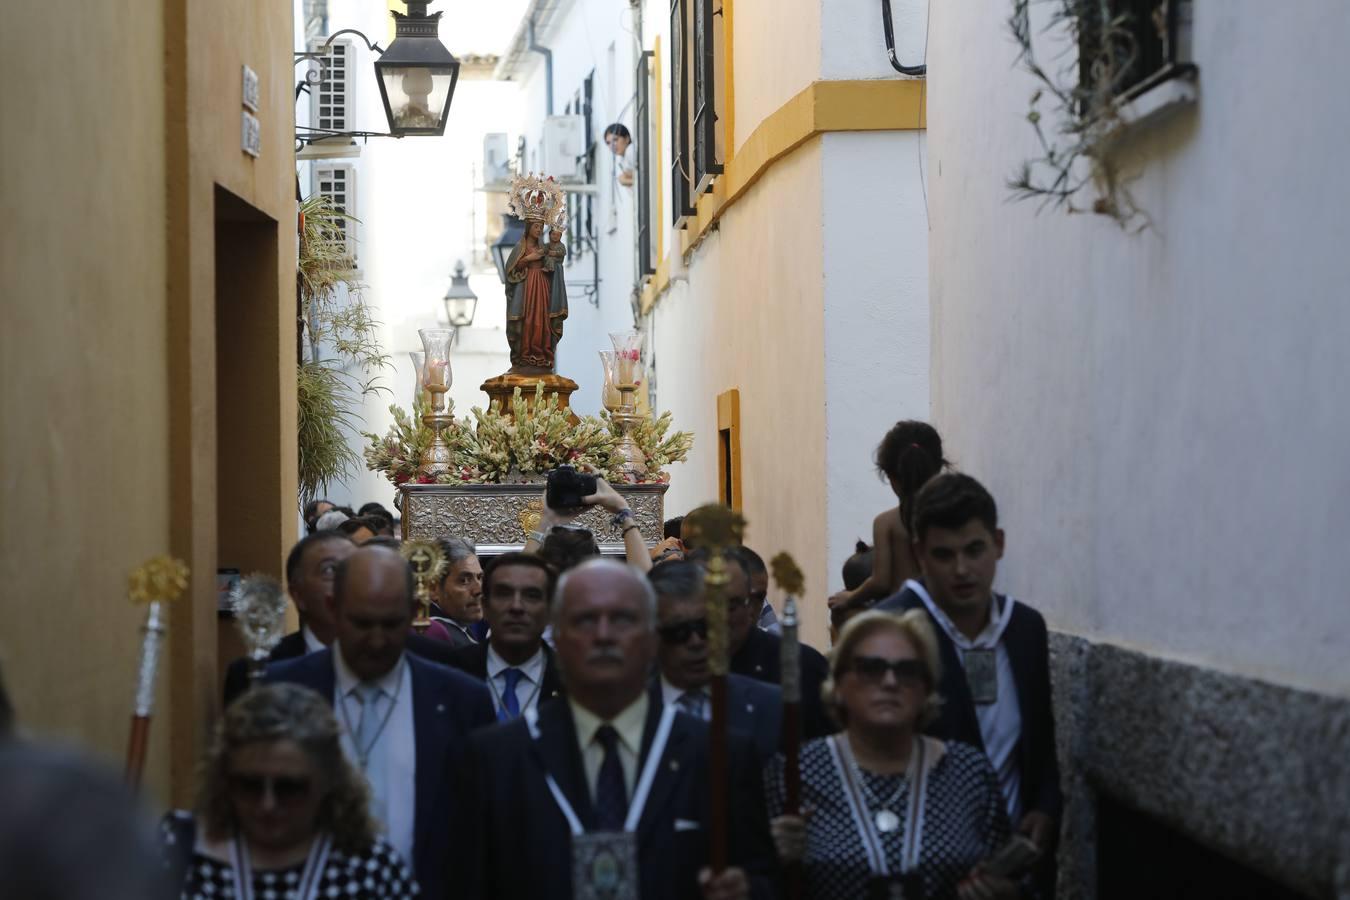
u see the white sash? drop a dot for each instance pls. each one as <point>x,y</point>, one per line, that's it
<point>644,784</point>
<point>308,888</point>
<point>987,641</point>
<point>917,774</point>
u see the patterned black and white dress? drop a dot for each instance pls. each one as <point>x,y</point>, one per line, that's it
<point>964,821</point>
<point>378,873</point>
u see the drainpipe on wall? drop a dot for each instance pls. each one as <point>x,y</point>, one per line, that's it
<point>535,47</point>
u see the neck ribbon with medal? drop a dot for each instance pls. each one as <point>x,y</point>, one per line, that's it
<point>874,818</point>
<point>605,863</point>
<point>363,753</point>
<point>310,876</point>
<point>980,656</point>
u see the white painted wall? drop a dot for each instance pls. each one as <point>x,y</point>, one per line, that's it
<point>853,43</point>
<point>875,241</point>
<point>1162,415</point>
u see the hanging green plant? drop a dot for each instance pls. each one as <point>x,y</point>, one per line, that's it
<point>340,358</point>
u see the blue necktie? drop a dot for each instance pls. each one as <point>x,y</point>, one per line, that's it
<point>611,796</point>
<point>510,702</point>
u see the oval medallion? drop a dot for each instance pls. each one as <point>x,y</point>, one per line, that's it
<point>887,821</point>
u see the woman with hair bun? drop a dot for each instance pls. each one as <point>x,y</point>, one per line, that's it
<point>281,812</point>
<point>909,455</point>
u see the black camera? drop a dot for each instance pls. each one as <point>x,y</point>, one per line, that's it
<point>566,487</point>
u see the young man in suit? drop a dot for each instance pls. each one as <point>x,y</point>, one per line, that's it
<point>994,649</point>
<point>310,567</point>
<point>516,664</point>
<point>406,721</point>
<point>605,770</point>
<point>754,708</point>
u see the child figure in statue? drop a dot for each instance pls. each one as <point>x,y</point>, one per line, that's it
<point>536,290</point>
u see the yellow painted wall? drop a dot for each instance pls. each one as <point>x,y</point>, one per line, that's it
<point>776,48</point>
<point>751,316</point>
<point>107,349</point>
<point>83,390</point>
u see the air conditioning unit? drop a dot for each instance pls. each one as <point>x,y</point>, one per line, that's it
<point>332,102</point>
<point>496,160</point>
<point>564,145</point>
<point>338,184</point>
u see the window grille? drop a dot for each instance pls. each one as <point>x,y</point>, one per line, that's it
<point>338,184</point>
<point>331,99</point>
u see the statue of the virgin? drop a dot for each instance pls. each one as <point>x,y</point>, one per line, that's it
<point>536,289</point>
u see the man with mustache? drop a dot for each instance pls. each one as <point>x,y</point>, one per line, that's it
<point>605,789</point>
<point>995,659</point>
<point>516,664</point>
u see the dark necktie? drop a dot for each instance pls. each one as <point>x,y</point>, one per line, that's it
<point>611,797</point>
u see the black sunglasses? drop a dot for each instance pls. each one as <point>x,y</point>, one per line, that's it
<point>285,788</point>
<point>681,632</point>
<point>874,669</point>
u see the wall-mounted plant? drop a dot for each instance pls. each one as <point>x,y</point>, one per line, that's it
<point>340,357</point>
<point>1123,49</point>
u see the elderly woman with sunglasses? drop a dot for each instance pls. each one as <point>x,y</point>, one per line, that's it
<point>281,812</point>
<point>888,812</point>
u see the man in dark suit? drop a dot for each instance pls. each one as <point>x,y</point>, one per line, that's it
<point>754,708</point>
<point>516,664</point>
<point>406,721</point>
<point>538,789</point>
<point>994,651</point>
<point>757,654</point>
<point>459,598</point>
<point>309,580</point>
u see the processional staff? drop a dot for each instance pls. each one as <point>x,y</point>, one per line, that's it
<point>259,606</point>
<point>789,579</point>
<point>716,529</point>
<point>428,565</point>
<point>157,582</point>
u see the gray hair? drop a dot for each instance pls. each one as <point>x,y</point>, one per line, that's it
<point>677,578</point>
<point>457,550</point>
<point>617,568</point>
<point>330,520</point>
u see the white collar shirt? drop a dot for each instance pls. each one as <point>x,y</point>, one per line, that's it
<point>312,643</point>
<point>670,696</point>
<point>1000,721</point>
<point>629,724</point>
<point>527,688</point>
<point>391,765</point>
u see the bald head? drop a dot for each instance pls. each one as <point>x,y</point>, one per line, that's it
<point>372,610</point>
<point>604,621</point>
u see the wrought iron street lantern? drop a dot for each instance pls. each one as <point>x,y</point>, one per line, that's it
<point>460,300</point>
<point>513,230</point>
<point>417,77</point>
<point>417,74</point>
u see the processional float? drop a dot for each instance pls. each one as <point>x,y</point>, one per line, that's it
<point>480,476</point>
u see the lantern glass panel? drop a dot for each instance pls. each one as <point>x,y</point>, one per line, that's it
<point>418,97</point>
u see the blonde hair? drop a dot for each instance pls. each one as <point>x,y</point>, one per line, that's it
<point>287,712</point>
<point>915,628</point>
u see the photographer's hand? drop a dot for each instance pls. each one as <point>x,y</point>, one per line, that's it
<point>605,496</point>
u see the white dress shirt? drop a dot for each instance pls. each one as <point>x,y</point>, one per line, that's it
<point>1000,721</point>
<point>391,769</point>
<point>312,644</point>
<point>629,724</point>
<point>527,688</point>
<point>670,696</point>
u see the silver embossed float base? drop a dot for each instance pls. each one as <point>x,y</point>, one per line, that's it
<point>499,517</point>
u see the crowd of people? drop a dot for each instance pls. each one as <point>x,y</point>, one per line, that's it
<point>549,736</point>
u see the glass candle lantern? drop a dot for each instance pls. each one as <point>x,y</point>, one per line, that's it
<point>419,359</point>
<point>436,375</point>
<point>627,356</point>
<point>609,397</point>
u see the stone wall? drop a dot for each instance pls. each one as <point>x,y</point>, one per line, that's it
<point>1254,770</point>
